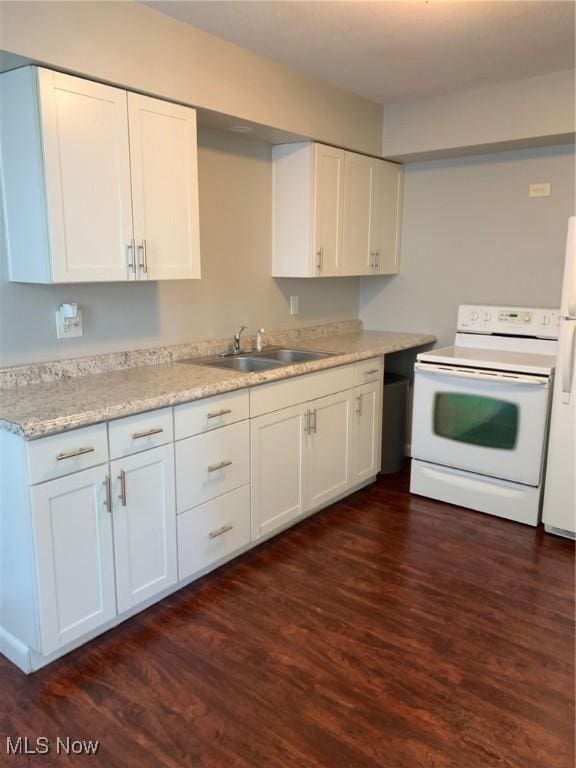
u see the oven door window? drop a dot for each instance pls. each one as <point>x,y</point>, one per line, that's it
<point>476,420</point>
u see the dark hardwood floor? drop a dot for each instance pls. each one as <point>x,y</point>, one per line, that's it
<point>387,630</point>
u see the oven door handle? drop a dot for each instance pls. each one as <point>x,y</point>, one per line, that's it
<point>497,377</point>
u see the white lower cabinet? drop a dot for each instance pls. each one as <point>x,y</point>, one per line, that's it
<point>366,432</point>
<point>144,525</point>
<point>305,456</point>
<point>96,543</point>
<point>74,556</point>
<point>278,459</point>
<point>329,448</point>
<point>211,464</point>
<point>301,459</point>
<point>212,531</point>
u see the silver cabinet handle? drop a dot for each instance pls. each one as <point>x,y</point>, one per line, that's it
<point>108,499</point>
<point>313,423</point>
<point>147,433</point>
<point>359,408</point>
<point>372,260</point>
<point>307,422</point>
<point>131,255</point>
<point>144,257</point>
<point>216,414</point>
<point>122,494</point>
<point>220,531</point>
<point>73,454</point>
<point>378,260</point>
<point>372,371</point>
<point>220,465</point>
<point>319,259</point>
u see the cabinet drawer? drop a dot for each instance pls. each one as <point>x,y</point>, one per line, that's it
<point>368,371</point>
<point>140,432</point>
<point>205,415</point>
<point>300,389</point>
<point>212,531</point>
<point>57,455</point>
<point>212,464</point>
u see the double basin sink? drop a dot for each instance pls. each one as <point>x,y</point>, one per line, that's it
<point>250,362</point>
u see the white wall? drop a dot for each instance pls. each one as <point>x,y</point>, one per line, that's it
<point>533,110</point>
<point>235,178</point>
<point>470,234</point>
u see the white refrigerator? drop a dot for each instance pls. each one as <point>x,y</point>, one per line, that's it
<point>559,511</point>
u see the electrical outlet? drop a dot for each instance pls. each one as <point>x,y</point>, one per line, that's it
<point>69,322</point>
<point>542,189</point>
<point>294,305</point>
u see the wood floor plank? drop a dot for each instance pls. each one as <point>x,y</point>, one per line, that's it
<point>388,630</point>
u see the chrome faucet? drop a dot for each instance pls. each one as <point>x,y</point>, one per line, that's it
<point>260,339</point>
<point>236,348</point>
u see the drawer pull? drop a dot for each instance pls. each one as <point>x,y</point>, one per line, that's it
<point>73,454</point>
<point>147,433</point>
<point>216,414</point>
<point>220,465</point>
<point>359,408</point>
<point>220,531</point>
<point>371,372</point>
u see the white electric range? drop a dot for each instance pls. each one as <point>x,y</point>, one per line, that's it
<point>481,412</point>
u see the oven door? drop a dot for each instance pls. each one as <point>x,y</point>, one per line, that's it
<point>489,422</point>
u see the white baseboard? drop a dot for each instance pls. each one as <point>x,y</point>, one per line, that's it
<point>15,651</point>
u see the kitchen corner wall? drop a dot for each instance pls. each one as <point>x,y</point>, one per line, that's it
<point>471,234</point>
<point>235,178</point>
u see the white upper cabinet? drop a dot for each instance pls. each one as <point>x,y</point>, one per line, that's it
<point>371,217</point>
<point>335,212</point>
<point>98,184</point>
<point>385,217</point>
<point>164,188</point>
<point>328,176</point>
<point>84,129</point>
<point>356,241</point>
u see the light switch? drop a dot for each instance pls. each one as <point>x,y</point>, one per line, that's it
<point>294,305</point>
<point>542,189</point>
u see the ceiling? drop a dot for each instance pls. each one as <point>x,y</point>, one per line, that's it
<point>391,51</point>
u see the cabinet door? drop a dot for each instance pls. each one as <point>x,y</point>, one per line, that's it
<point>385,216</point>
<point>75,565</point>
<point>163,154</point>
<point>357,258</point>
<point>328,199</point>
<point>87,178</point>
<point>277,469</point>
<point>366,432</point>
<point>144,525</point>
<point>329,448</point>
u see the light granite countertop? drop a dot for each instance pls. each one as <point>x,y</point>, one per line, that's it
<point>56,406</point>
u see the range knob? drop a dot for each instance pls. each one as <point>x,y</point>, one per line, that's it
<point>545,320</point>
<point>487,317</point>
<point>473,315</point>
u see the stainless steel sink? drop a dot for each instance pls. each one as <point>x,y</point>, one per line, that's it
<point>250,362</point>
<point>238,363</point>
<point>289,356</point>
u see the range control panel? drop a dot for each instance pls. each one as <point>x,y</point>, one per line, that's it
<point>509,321</point>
